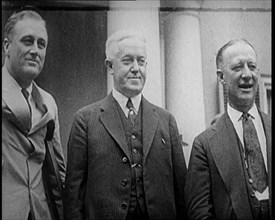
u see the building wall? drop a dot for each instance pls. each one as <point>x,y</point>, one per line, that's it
<point>221,22</point>
<point>74,71</point>
<point>75,74</point>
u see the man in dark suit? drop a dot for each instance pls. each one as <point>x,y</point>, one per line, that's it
<point>125,162</point>
<point>26,111</point>
<point>223,181</point>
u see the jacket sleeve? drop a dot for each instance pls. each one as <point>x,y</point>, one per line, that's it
<point>76,176</point>
<point>198,199</point>
<point>58,150</point>
<point>179,168</point>
<point>54,167</point>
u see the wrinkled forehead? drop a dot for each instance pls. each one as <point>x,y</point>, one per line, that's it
<point>239,47</point>
<point>131,43</point>
<point>30,26</point>
<point>238,51</point>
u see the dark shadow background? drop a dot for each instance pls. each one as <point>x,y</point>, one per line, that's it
<point>74,71</point>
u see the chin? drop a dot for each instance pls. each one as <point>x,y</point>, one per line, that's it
<point>31,72</point>
<point>247,101</point>
<point>131,92</point>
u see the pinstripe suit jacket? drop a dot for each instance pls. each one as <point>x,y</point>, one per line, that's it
<point>99,159</point>
<point>216,183</point>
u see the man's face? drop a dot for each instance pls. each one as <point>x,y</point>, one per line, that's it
<point>26,50</point>
<point>129,67</point>
<point>240,73</point>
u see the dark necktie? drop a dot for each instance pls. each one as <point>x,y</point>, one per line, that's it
<point>255,160</point>
<point>131,113</point>
<point>29,120</point>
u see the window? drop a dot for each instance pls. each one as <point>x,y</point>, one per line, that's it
<point>265,89</point>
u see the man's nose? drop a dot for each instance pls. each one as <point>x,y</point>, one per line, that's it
<point>135,66</point>
<point>34,50</point>
<point>246,73</point>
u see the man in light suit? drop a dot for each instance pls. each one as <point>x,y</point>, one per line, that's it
<point>118,168</point>
<point>220,182</point>
<point>26,111</point>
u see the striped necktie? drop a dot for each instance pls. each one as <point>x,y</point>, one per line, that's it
<point>131,113</point>
<point>254,156</point>
<point>29,120</point>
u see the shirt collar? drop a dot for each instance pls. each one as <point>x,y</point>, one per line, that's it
<point>122,99</point>
<point>236,115</point>
<point>10,82</point>
<point>254,111</point>
<point>29,89</point>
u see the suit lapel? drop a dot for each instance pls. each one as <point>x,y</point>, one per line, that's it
<point>149,125</point>
<point>42,106</point>
<point>226,154</point>
<point>267,129</point>
<point>15,101</point>
<point>112,122</point>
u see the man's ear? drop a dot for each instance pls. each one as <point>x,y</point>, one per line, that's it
<point>6,46</point>
<point>220,76</point>
<point>109,65</point>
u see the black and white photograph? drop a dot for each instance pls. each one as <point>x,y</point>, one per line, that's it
<point>135,109</point>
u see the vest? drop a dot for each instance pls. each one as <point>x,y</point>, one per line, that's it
<point>254,203</point>
<point>134,141</point>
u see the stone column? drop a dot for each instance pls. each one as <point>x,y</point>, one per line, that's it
<point>143,16</point>
<point>183,74</point>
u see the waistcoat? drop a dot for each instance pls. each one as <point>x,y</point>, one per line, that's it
<point>134,140</point>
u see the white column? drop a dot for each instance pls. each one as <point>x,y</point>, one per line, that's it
<point>183,71</point>
<point>142,16</point>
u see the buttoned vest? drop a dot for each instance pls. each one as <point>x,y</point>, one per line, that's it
<point>134,140</point>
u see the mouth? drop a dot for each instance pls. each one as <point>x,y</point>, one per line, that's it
<point>246,86</point>
<point>32,61</point>
<point>134,78</point>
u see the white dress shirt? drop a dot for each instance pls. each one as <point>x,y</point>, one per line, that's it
<point>122,101</point>
<point>236,118</point>
<point>36,113</point>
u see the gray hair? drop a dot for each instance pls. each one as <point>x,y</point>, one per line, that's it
<point>219,58</point>
<point>115,38</point>
<point>16,17</point>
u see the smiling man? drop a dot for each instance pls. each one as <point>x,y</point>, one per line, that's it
<point>229,173</point>
<point>125,159</point>
<point>26,111</point>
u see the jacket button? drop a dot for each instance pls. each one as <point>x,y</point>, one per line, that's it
<point>250,180</point>
<point>124,159</point>
<point>124,205</point>
<point>133,136</point>
<point>124,182</point>
<point>57,189</point>
<point>139,180</point>
<point>252,194</point>
<point>135,151</point>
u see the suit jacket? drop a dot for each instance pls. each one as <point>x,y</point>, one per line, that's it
<point>99,160</point>
<point>215,183</point>
<point>22,183</point>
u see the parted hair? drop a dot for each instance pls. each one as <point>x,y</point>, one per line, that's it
<point>18,16</point>
<point>219,57</point>
<point>115,38</point>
